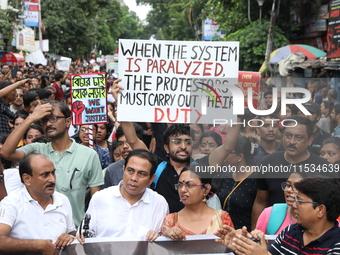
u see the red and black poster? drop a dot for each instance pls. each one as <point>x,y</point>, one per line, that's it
<point>250,80</point>
<point>333,33</point>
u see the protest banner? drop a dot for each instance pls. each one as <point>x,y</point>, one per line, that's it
<point>88,99</point>
<point>36,57</point>
<point>63,65</point>
<point>194,244</point>
<point>250,80</point>
<point>333,49</point>
<point>174,81</point>
<point>31,11</point>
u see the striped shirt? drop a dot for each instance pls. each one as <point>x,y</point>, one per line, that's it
<point>290,241</point>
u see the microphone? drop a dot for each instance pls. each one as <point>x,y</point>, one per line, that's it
<point>86,226</point>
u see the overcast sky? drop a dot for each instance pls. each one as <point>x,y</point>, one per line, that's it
<point>141,10</point>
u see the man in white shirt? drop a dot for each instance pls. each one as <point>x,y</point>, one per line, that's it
<point>129,209</point>
<point>35,218</point>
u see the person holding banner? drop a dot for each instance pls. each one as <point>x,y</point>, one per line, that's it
<point>129,209</point>
<point>35,218</point>
<point>77,166</point>
<point>177,142</point>
<point>196,218</point>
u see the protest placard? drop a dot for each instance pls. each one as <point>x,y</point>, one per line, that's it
<point>88,99</point>
<point>63,65</point>
<point>174,81</point>
<point>250,80</point>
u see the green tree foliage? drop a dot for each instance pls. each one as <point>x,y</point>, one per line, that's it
<point>253,42</point>
<point>231,15</point>
<point>7,18</point>
<point>82,25</point>
<point>130,26</point>
<point>183,26</point>
<point>173,19</point>
<point>6,25</point>
<point>182,19</point>
<point>158,18</point>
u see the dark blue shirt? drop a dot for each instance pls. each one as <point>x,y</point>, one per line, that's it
<point>290,241</point>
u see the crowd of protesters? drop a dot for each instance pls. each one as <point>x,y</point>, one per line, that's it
<point>162,192</point>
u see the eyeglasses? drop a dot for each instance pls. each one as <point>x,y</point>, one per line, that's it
<point>212,146</point>
<point>187,185</point>
<point>290,136</point>
<point>180,141</point>
<point>53,119</point>
<point>121,143</point>
<point>297,201</point>
<point>19,95</point>
<point>287,185</point>
<point>84,129</point>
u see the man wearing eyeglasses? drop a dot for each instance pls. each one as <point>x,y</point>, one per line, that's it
<point>177,144</point>
<point>18,103</point>
<point>76,166</point>
<point>316,207</point>
<point>297,137</point>
<point>29,98</point>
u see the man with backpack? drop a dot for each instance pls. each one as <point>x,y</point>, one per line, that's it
<point>177,143</point>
